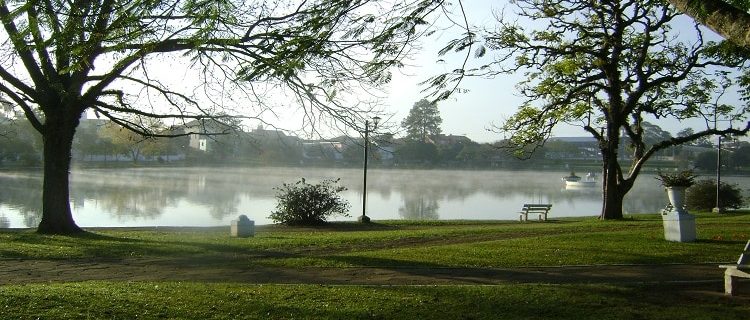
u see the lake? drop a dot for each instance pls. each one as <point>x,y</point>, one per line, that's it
<point>215,196</point>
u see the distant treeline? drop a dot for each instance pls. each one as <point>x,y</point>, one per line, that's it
<point>97,143</point>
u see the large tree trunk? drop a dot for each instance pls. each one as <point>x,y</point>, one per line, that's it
<point>726,20</point>
<point>611,195</point>
<point>56,214</point>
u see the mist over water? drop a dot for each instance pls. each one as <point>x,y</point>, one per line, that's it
<point>215,196</point>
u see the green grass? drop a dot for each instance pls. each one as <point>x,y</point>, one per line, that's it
<point>170,300</point>
<point>470,244</point>
<point>638,240</point>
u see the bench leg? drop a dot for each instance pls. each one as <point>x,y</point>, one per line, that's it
<point>728,284</point>
<point>542,217</point>
<point>524,216</point>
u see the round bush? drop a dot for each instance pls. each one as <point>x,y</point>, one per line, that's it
<point>302,203</point>
<point>702,196</point>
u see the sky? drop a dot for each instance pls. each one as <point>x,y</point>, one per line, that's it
<point>472,114</point>
<point>489,101</point>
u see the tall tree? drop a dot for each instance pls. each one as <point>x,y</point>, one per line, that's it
<point>605,66</point>
<point>729,18</point>
<point>741,156</point>
<point>18,142</point>
<point>63,58</point>
<point>423,121</point>
<point>703,141</point>
<point>130,143</point>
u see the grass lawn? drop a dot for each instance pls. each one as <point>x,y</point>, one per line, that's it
<point>106,300</point>
<point>454,244</point>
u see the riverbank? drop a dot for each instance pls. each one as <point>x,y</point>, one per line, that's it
<point>577,268</point>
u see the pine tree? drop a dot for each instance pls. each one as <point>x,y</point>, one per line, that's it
<point>423,121</point>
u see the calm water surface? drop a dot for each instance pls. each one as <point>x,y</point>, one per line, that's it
<point>214,197</point>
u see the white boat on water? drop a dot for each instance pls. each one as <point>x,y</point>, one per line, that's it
<point>575,181</point>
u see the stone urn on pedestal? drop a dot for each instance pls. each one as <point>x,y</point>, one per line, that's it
<point>676,195</point>
<point>679,225</point>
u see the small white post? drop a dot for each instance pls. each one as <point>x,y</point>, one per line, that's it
<point>243,227</point>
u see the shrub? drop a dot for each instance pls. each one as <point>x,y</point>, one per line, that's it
<point>302,203</point>
<point>702,196</point>
<point>680,179</point>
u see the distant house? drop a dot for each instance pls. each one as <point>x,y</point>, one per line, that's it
<point>274,137</point>
<point>196,139</point>
<point>381,150</point>
<point>7,110</point>
<point>200,133</point>
<point>323,150</point>
<point>271,146</point>
<point>448,140</point>
<point>260,132</point>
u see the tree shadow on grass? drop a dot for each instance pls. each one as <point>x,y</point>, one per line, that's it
<point>91,245</point>
<point>338,226</point>
<point>436,273</point>
<point>722,242</point>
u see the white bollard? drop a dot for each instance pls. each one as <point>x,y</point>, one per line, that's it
<point>243,227</point>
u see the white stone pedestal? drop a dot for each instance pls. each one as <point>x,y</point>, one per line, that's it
<point>243,227</point>
<point>679,227</point>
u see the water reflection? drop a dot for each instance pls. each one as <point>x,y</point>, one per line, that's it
<point>212,196</point>
<point>4,222</point>
<point>419,207</point>
<point>126,194</point>
<point>20,196</point>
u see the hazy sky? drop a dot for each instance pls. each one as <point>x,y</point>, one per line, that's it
<point>489,100</point>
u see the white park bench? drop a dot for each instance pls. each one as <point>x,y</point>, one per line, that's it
<point>739,270</point>
<point>541,209</point>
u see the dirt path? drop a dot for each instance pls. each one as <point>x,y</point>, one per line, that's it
<point>18,271</point>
